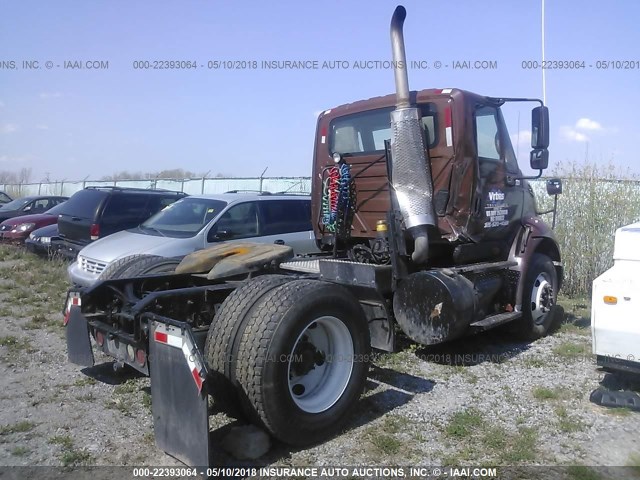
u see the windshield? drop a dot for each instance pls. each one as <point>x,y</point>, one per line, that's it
<point>184,218</point>
<point>15,204</point>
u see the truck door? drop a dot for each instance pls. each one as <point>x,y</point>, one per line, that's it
<point>498,206</point>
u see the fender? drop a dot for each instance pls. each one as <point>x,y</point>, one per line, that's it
<point>535,237</point>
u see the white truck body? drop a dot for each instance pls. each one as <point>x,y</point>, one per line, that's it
<point>615,306</point>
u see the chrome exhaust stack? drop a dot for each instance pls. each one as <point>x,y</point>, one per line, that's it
<point>410,168</point>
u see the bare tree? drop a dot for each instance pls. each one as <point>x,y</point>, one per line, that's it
<point>24,175</point>
<point>177,173</point>
<point>8,176</point>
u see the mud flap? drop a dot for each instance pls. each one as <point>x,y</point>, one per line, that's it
<point>179,404</point>
<point>78,342</point>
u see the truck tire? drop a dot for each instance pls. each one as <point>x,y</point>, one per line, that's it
<point>538,298</point>
<point>115,269</point>
<point>150,265</point>
<point>303,360</point>
<point>225,332</point>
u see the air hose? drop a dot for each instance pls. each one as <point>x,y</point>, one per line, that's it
<point>338,200</point>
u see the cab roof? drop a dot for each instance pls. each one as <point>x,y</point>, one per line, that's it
<point>416,96</point>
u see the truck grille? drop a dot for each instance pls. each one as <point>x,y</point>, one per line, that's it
<point>90,265</point>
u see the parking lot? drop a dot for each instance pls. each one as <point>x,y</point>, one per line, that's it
<point>480,401</point>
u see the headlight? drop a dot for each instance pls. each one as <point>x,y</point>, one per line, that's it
<point>32,236</point>
<point>23,227</point>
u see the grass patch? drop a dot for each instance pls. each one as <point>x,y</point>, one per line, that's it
<point>395,424</point>
<point>581,472</point>
<point>619,412</point>
<point>567,423</point>
<point>460,457</point>
<point>535,362</point>
<point>570,349</point>
<point>462,424</point>
<point>480,442</point>
<point>20,427</point>
<point>146,401</point>
<point>520,447</point>
<point>126,388</point>
<point>75,457</point>
<point>15,345</point>
<point>544,393</point>
<point>385,444</point>
<point>570,326</point>
<point>39,320</point>
<point>84,381</point>
<point>25,270</point>
<point>70,456</point>
<point>400,361</point>
<point>123,405</point>
<point>65,441</point>
<point>10,252</point>
<point>20,451</point>
<point>634,462</point>
<point>383,436</point>
<point>496,438</point>
<point>579,307</point>
<point>23,294</point>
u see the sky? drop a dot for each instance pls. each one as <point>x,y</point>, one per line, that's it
<point>71,124</point>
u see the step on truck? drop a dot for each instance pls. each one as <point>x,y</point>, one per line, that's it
<point>427,229</point>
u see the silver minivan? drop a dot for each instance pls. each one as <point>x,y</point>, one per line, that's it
<point>200,221</point>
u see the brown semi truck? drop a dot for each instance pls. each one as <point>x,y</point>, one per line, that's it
<point>428,228</point>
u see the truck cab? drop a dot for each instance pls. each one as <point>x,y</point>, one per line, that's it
<point>481,200</point>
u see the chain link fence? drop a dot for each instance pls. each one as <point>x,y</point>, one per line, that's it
<point>192,186</point>
<point>589,212</point>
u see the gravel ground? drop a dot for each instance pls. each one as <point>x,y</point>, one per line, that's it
<point>483,400</point>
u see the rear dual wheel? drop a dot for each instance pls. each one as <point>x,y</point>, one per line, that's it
<point>222,343</point>
<point>301,360</point>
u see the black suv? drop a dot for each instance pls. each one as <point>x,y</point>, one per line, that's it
<point>96,212</point>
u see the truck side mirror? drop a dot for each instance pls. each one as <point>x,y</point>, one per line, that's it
<point>540,128</point>
<point>554,186</point>
<point>539,159</point>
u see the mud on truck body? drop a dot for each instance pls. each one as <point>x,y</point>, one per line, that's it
<point>433,234</point>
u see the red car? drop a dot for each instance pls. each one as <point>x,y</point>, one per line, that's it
<point>17,229</point>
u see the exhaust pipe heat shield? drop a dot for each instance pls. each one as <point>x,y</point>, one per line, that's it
<point>410,170</point>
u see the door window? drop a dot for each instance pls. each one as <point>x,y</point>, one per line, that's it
<point>285,216</point>
<point>487,136</point>
<point>37,206</point>
<point>492,139</point>
<point>240,221</point>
